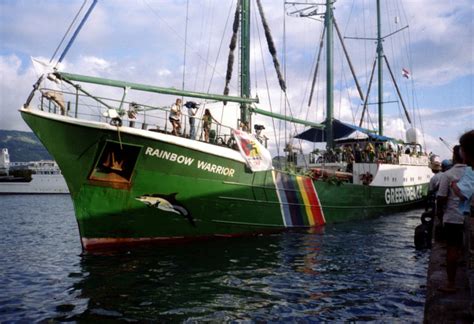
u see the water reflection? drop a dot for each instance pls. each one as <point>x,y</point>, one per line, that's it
<point>341,272</point>
<point>181,281</point>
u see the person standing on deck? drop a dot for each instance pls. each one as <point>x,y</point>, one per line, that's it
<point>370,152</point>
<point>192,111</point>
<point>453,218</point>
<point>357,153</point>
<point>175,117</point>
<point>390,153</point>
<point>206,124</point>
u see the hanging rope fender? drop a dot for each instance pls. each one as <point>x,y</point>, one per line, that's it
<point>271,47</point>
<point>232,46</point>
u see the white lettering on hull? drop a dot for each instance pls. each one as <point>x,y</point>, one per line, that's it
<point>214,168</point>
<point>165,155</point>
<point>182,159</point>
<point>403,194</point>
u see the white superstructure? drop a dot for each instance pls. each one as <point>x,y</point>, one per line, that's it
<point>30,177</point>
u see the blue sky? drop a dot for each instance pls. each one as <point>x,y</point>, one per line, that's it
<point>143,41</point>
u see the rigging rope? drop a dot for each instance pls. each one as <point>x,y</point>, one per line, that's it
<point>67,31</point>
<point>232,46</point>
<point>271,47</point>
<point>178,35</point>
<point>410,60</point>
<point>201,28</point>
<point>185,42</point>
<point>313,82</point>
<point>282,97</point>
<point>76,32</point>
<point>321,43</point>
<point>210,22</point>
<point>277,139</point>
<point>220,46</point>
<point>366,56</point>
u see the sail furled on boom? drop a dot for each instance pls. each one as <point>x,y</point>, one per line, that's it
<point>232,46</point>
<point>271,47</point>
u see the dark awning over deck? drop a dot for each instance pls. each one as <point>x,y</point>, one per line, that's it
<point>341,130</point>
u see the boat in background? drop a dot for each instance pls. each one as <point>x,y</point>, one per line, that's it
<point>35,177</point>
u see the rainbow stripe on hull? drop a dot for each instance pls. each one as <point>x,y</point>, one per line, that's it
<point>299,201</point>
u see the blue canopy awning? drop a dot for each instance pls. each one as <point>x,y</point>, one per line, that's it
<point>340,130</point>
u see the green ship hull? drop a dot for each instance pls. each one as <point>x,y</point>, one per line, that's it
<point>131,186</point>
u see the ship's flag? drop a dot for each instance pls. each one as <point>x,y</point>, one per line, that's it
<point>258,158</point>
<point>406,73</point>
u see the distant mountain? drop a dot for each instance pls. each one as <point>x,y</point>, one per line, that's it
<point>23,146</point>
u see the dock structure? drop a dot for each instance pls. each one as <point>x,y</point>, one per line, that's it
<point>457,307</point>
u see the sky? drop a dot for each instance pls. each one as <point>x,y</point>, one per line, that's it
<point>144,41</point>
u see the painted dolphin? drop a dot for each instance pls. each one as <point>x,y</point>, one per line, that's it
<point>167,203</point>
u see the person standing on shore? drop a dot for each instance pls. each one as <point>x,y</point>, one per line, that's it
<point>435,166</point>
<point>453,218</point>
<point>464,188</point>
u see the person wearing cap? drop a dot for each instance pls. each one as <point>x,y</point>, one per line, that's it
<point>434,182</point>
<point>435,166</point>
<point>192,111</point>
<point>446,165</point>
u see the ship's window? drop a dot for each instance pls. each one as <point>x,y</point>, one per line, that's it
<point>115,164</point>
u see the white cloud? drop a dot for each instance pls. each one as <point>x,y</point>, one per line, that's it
<point>14,87</point>
<point>96,63</point>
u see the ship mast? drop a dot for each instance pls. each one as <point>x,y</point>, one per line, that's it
<point>328,22</point>
<point>380,68</point>
<point>245,63</point>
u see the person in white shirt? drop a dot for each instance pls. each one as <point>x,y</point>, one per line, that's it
<point>453,218</point>
<point>175,117</point>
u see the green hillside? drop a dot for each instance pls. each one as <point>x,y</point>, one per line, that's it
<point>23,146</point>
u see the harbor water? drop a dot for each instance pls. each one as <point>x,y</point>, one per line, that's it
<point>366,270</point>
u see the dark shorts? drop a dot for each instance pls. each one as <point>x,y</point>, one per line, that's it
<point>453,234</point>
<point>172,120</point>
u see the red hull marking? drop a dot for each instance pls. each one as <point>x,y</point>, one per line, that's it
<point>317,212</point>
<point>111,243</point>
